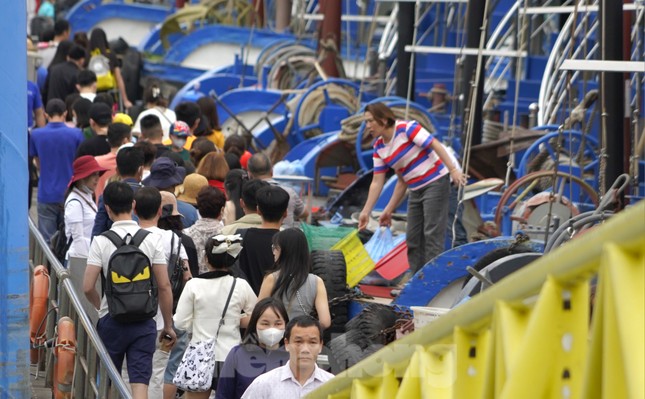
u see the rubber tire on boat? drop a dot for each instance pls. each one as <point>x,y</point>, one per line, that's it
<point>363,336</point>
<point>343,355</point>
<point>131,70</point>
<point>330,267</point>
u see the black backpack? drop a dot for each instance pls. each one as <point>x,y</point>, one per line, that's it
<point>59,243</point>
<point>175,271</point>
<point>130,287</point>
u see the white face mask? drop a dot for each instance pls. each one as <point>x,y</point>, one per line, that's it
<point>270,336</point>
<point>179,143</point>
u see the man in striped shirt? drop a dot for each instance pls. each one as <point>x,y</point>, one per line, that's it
<point>421,164</point>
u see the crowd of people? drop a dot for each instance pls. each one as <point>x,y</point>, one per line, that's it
<point>202,226</point>
<point>206,205</point>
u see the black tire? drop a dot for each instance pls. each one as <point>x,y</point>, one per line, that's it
<point>365,336</point>
<point>343,354</point>
<point>330,267</point>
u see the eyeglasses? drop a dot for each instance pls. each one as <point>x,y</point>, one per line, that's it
<point>274,247</point>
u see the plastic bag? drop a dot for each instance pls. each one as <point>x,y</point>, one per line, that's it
<point>381,243</point>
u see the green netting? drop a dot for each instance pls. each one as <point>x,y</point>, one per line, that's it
<point>323,238</point>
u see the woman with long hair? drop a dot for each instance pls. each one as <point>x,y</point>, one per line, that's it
<point>214,167</point>
<point>261,350</point>
<point>291,279</point>
<point>80,205</point>
<point>210,122</point>
<point>156,104</point>
<point>99,46</point>
<point>60,56</point>
<point>202,304</point>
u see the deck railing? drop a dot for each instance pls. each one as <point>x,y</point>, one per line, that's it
<point>95,376</point>
<point>570,325</point>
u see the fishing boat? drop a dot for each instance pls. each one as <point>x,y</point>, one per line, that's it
<point>541,105</point>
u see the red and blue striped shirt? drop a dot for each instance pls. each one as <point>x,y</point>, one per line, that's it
<point>410,155</point>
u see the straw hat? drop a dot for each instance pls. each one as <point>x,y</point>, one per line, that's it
<point>188,191</point>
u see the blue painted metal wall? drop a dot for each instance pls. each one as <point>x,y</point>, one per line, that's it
<point>14,290</point>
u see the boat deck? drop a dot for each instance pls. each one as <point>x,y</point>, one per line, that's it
<point>37,383</point>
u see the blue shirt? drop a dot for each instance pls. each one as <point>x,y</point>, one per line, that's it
<point>244,364</point>
<point>55,145</point>
<point>34,102</point>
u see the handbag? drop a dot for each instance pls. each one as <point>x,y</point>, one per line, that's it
<point>197,368</point>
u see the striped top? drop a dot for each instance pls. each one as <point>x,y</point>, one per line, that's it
<point>410,155</point>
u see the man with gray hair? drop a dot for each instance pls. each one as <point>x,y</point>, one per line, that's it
<point>261,168</point>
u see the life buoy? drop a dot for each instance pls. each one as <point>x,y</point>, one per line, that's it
<point>65,354</point>
<point>38,310</point>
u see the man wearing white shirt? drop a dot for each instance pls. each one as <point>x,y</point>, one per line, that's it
<point>132,341</point>
<point>301,375</point>
<point>148,206</point>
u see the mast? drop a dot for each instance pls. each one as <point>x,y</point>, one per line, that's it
<point>406,23</point>
<point>282,14</point>
<point>474,21</point>
<point>612,89</point>
<point>329,42</point>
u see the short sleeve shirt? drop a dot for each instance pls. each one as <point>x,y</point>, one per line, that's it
<point>410,154</point>
<point>34,102</point>
<point>102,248</point>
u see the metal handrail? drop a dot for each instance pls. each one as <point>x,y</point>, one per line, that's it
<point>95,376</point>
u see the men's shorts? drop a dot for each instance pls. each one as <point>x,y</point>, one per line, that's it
<point>134,340</point>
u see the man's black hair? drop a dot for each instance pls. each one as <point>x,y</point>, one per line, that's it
<point>104,98</point>
<point>147,202</point>
<point>82,109</point>
<point>77,53</point>
<point>55,107</point>
<point>150,121</point>
<point>118,196</point>
<point>128,161</point>
<point>302,321</point>
<point>117,132</point>
<point>188,112</point>
<point>149,151</point>
<point>151,127</point>
<point>210,202</point>
<point>61,26</point>
<point>259,165</point>
<point>272,202</point>
<point>249,191</point>
<point>86,78</point>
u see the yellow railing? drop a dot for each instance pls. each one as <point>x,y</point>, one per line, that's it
<point>540,333</point>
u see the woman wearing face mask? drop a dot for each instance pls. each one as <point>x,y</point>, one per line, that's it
<point>291,279</point>
<point>80,206</point>
<point>261,350</point>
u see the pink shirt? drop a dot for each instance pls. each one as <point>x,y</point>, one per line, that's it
<point>107,161</point>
